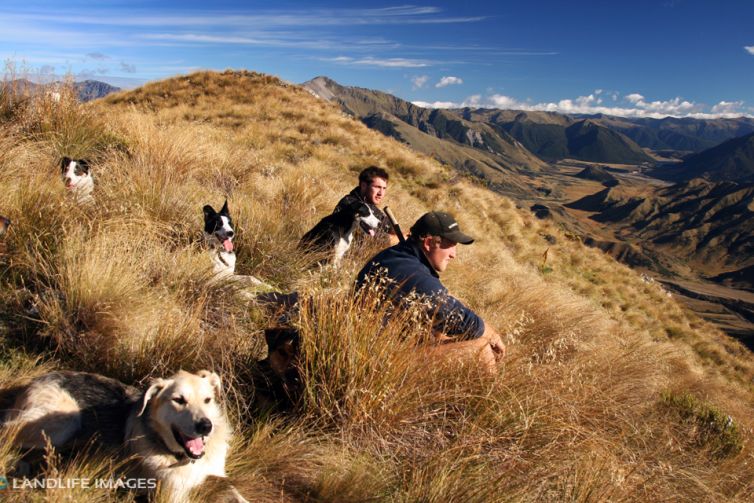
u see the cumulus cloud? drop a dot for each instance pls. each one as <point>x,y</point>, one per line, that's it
<point>749,49</point>
<point>728,107</point>
<point>449,81</point>
<point>419,81</point>
<point>437,104</point>
<point>633,105</point>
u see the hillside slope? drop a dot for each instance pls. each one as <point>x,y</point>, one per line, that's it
<point>731,161</point>
<point>610,391</point>
<point>710,224</point>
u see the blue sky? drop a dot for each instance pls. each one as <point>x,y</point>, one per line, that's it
<point>640,58</point>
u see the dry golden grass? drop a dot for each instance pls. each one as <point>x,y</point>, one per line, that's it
<point>611,391</point>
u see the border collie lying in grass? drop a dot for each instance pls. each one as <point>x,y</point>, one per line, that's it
<point>335,232</point>
<point>78,179</point>
<point>219,234</point>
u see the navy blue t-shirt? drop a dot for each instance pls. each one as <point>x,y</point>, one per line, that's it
<point>411,274</point>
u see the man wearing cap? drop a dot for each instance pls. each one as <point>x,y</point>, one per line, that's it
<point>413,268</point>
<point>371,190</point>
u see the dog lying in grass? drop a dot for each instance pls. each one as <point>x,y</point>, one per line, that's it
<point>219,234</point>
<point>277,383</point>
<point>78,179</point>
<point>176,430</point>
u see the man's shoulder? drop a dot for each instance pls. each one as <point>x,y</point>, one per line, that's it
<point>399,264</point>
<point>349,198</point>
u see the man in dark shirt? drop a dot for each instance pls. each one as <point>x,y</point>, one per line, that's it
<point>371,190</point>
<point>413,268</point>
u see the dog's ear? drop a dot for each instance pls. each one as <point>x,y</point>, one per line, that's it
<point>224,210</point>
<point>214,380</point>
<point>283,345</point>
<point>209,211</point>
<point>276,336</point>
<point>84,164</point>
<point>64,163</point>
<point>154,388</point>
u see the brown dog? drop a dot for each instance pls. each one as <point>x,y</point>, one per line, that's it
<point>4,224</point>
<point>277,382</point>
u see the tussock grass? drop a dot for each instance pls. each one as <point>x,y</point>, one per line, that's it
<point>611,391</point>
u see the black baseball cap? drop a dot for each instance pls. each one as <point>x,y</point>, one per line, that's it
<point>439,223</point>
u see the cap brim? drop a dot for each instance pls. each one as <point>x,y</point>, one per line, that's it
<point>459,237</point>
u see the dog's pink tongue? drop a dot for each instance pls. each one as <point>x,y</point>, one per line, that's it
<point>228,245</point>
<point>371,232</point>
<point>196,446</point>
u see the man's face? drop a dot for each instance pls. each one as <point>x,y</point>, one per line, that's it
<point>375,191</point>
<point>439,252</point>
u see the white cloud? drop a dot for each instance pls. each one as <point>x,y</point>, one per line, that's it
<point>728,107</point>
<point>449,81</point>
<point>473,101</point>
<point>382,63</point>
<point>501,101</point>
<point>590,104</point>
<point>437,104</point>
<point>419,81</point>
<point>280,18</point>
<point>749,49</point>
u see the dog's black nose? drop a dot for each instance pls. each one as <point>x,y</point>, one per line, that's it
<point>203,426</point>
<point>230,234</point>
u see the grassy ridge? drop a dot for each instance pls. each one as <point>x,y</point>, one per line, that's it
<point>611,391</point>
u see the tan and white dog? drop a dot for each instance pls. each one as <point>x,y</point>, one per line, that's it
<point>176,430</point>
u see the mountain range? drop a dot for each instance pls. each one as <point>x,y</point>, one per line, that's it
<point>732,160</point>
<point>522,140</point>
<point>86,90</point>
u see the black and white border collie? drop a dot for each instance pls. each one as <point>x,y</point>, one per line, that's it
<point>78,178</point>
<point>218,234</point>
<point>335,232</point>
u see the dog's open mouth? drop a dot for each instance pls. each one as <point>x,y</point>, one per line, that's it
<point>227,244</point>
<point>194,447</point>
<point>369,230</point>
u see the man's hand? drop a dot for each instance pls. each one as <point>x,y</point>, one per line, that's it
<point>494,340</point>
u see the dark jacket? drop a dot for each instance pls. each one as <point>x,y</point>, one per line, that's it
<point>410,273</point>
<point>355,195</point>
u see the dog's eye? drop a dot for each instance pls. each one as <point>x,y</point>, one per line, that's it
<point>207,400</point>
<point>179,400</point>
